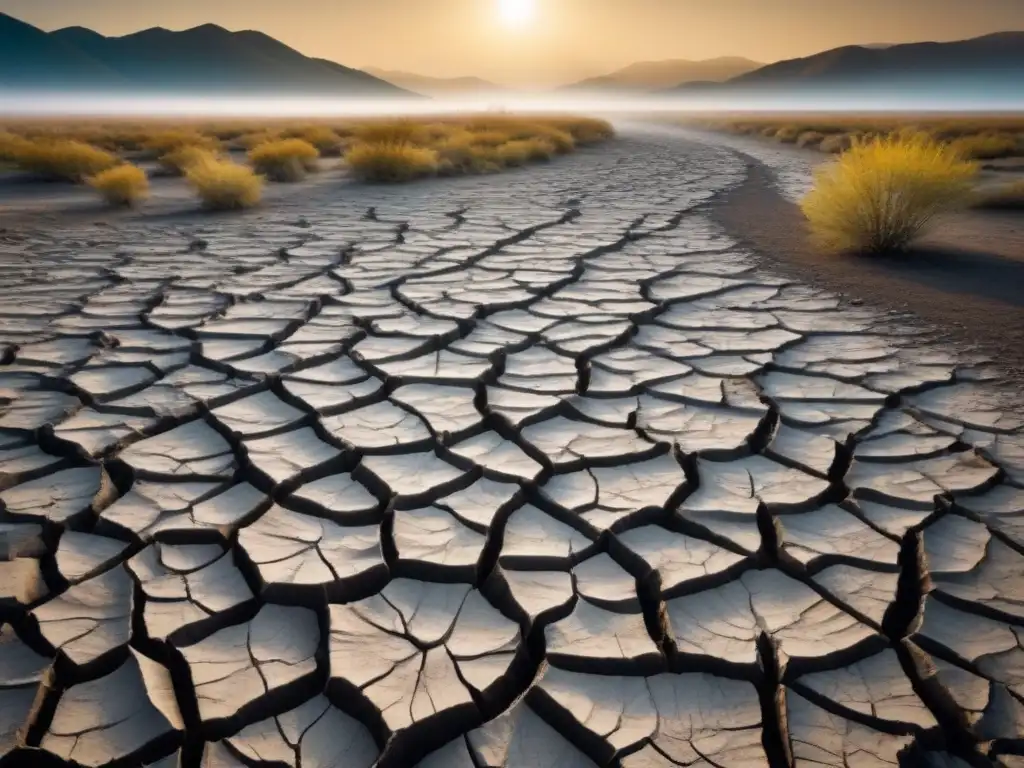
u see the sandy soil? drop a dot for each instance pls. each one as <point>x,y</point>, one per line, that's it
<point>966,276</point>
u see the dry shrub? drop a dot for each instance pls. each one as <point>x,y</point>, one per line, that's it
<point>327,142</point>
<point>586,130</point>
<point>490,138</point>
<point>252,140</point>
<point>836,143</point>
<point>391,161</point>
<point>880,194</point>
<point>562,141</point>
<point>1004,197</point>
<point>64,159</point>
<point>12,147</point>
<point>524,151</point>
<point>390,133</point>
<point>223,185</point>
<point>788,134</point>
<point>178,161</point>
<point>163,143</point>
<point>987,146</point>
<point>122,185</point>
<point>284,160</point>
<point>810,139</point>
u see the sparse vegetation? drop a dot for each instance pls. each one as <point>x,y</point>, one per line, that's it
<point>163,143</point>
<point>810,139</point>
<point>882,193</point>
<point>284,160</point>
<point>63,159</point>
<point>391,161</point>
<point>976,137</point>
<point>178,161</point>
<point>224,185</point>
<point>122,185</point>
<point>836,143</point>
<point>284,150</point>
<point>327,142</point>
<point>988,146</point>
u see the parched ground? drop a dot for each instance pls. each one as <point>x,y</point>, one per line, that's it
<point>540,470</point>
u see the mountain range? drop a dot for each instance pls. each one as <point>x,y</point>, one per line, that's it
<point>993,61</point>
<point>211,59</point>
<point>200,60</point>
<point>658,75</point>
<point>436,87</point>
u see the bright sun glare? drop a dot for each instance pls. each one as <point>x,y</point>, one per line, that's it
<point>515,13</point>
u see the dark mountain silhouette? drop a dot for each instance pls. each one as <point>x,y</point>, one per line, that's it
<point>995,60</point>
<point>656,75</point>
<point>203,59</point>
<point>29,56</point>
<point>436,86</point>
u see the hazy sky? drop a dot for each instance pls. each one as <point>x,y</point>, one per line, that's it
<point>563,41</point>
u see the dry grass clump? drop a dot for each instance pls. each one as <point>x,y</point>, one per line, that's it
<point>223,185</point>
<point>880,194</point>
<point>810,139</point>
<point>63,159</point>
<point>788,134</point>
<point>978,137</point>
<point>987,146</point>
<point>327,142</point>
<point>463,144</point>
<point>178,161</point>
<point>387,150</point>
<point>391,132</point>
<point>836,143</point>
<point>122,185</point>
<point>12,147</point>
<point>391,161</point>
<point>284,160</point>
<point>1005,197</point>
<point>585,131</point>
<point>162,143</point>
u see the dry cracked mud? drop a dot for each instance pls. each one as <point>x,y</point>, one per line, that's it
<point>525,472</point>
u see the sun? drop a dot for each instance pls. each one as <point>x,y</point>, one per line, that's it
<point>515,13</point>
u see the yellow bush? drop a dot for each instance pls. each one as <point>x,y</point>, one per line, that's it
<point>224,185</point>
<point>987,146</point>
<point>810,139</point>
<point>788,134</point>
<point>562,141</point>
<point>525,150</point>
<point>393,132</point>
<point>1003,197</point>
<point>836,143</point>
<point>879,195</point>
<point>490,138</point>
<point>162,143</point>
<point>64,159</point>
<point>122,185</point>
<point>391,161</point>
<point>12,147</point>
<point>585,130</point>
<point>327,142</point>
<point>178,161</point>
<point>284,160</point>
<point>249,141</point>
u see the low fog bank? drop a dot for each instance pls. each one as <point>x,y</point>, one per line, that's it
<point>35,104</point>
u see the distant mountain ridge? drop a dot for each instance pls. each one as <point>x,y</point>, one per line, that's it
<point>991,60</point>
<point>205,59</point>
<point>436,86</point>
<point>657,75</point>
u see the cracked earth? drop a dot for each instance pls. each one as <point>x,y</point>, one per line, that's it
<point>526,471</point>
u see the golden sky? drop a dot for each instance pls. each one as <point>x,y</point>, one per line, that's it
<point>565,40</point>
